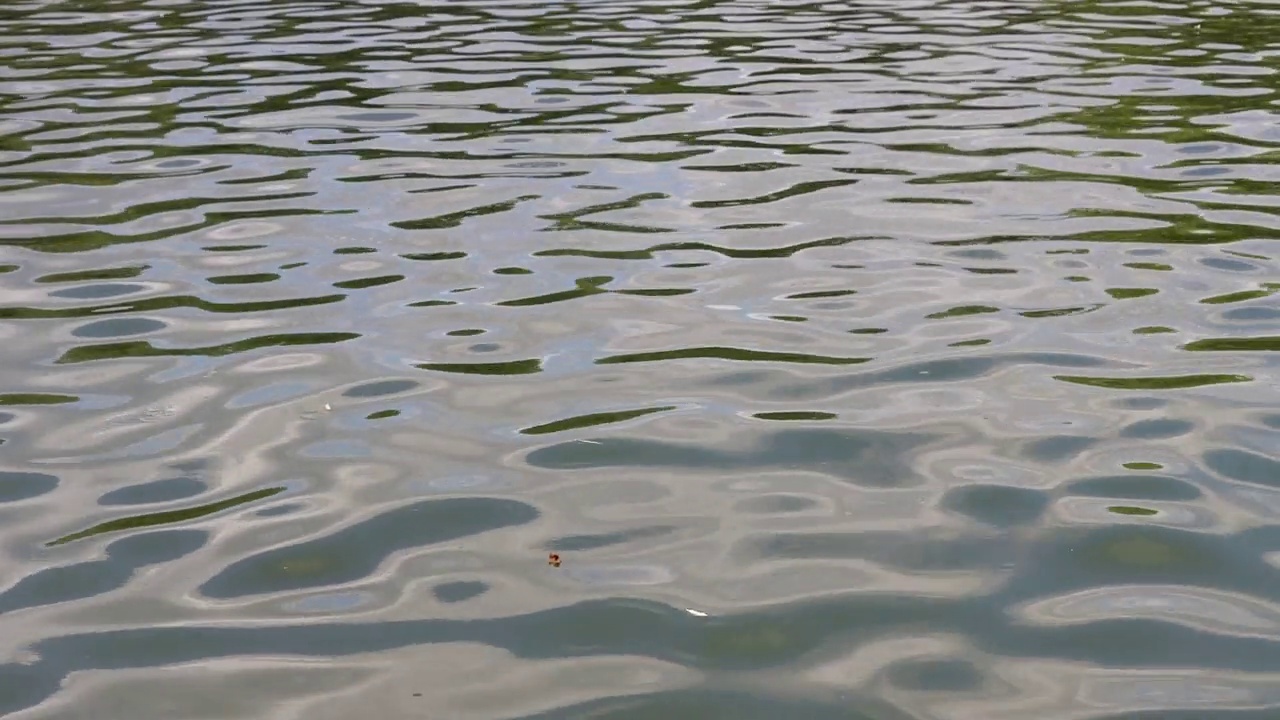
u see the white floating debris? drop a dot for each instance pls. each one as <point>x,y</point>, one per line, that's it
<point>327,406</point>
<point>590,442</point>
<point>695,613</point>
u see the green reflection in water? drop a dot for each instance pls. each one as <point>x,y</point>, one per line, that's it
<point>142,348</point>
<point>796,415</point>
<point>1154,383</point>
<point>246,279</point>
<point>1242,296</point>
<point>361,283</point>
<point>165,518</point>
<point>962,311</point>
<point>514,367</point>
<point>1142,466</point>
<point>120,273</point>
<point>153,305</point>
<point>1271,344</point>
<point>89,240</point>
<point>1130,293</point>
<point>737,253</point>
<point>1132,510</point>
<point>729,353</point>
<point>585,287</point>
<point>1061,312</point>
<point>36,399</point>
<point>455,219</point>
<point>593,419</point>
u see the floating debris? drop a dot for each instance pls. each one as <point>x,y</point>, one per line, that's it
<point>553,560</point>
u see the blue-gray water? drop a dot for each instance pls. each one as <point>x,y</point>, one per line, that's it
<point>873,360</point>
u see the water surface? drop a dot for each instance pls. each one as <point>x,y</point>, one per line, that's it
<point>864,360</point>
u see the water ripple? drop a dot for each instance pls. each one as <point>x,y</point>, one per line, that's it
<point>881,359</point>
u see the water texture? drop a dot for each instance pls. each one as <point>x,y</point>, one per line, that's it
<point>866,360</point>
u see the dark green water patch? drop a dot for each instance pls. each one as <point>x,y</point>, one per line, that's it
<point>741,253</point>
<point>1062,311</point>
<point>729,353</point>
<point>795,415</point>
<point>1176,382</point>
<point>361,283</point>
<point>142,349</point>
<point>1237,344</point>
<point>231,248</point>
<point>513,367</point>
<point>244,279</point>
<point>435,256</point>
<point>963,311</point>
<point>120,273</point>
<point>1130,293</point>
<point>1242,296</point>
<point>36,399</point>
<point>820,294</point>
<point>158,304</point>
<point>586,287</point>
<point>655,292</point>
<point>1132,510</point>
<point>455,219</point>
<point>1142,466</point>
<point>167,517</point>
<point>592,420</point>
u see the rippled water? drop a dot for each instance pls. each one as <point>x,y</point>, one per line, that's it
<point>868,360</point>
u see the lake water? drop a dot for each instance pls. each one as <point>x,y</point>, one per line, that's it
<point>876,360</point>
